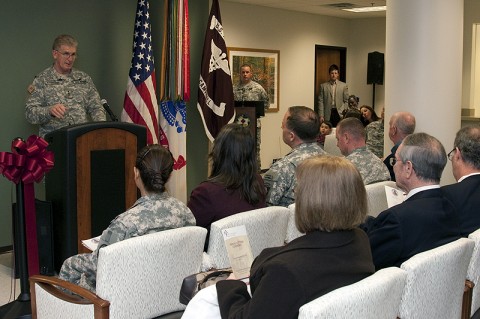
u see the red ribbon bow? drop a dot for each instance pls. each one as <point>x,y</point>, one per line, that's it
<point>28,162</point>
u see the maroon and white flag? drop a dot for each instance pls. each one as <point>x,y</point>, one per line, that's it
<point>215,90</point>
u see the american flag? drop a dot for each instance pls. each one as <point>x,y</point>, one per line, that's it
<point>140,104</point>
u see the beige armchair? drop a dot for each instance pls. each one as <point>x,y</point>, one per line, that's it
<point>266,227</point>
<point>136,278</point>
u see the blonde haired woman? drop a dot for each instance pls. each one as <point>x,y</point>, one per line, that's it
<point>333,253</point>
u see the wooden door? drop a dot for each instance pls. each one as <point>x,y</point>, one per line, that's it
<point>324,57</point>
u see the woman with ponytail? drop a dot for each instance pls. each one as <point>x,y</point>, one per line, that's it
<point>154,211</point>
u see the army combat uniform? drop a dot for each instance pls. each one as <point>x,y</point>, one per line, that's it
<point>252,91</point>
<point>369,165</point>
<point>75,90</point>
<point>374,133</point>
<point>280,178</point>
<point>149,214</point>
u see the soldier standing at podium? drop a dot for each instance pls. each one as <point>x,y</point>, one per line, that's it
<point>61,95</point>
<point>249,90</point>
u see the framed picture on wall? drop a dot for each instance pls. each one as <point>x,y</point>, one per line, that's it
<point>266,70</point>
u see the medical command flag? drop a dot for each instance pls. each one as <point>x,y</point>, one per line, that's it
<point>215,90</point>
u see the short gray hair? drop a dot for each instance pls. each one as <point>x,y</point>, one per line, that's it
<point>427,155</point>
<point>468,142</point>
<point>64,39</point>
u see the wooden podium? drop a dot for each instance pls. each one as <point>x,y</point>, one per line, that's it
<point>91,182</point>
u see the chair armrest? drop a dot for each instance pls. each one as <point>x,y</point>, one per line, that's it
<point>56,287</point>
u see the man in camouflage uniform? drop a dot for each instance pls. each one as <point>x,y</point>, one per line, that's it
<point>61,95</point>
<point>248,90</point>
<point>350,135</point>
<point>300,127</point>
<point>151,213</point>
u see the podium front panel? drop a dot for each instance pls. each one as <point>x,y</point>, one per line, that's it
<point>92,180</point>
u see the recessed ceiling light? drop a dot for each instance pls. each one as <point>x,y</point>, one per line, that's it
<point>367,9</point>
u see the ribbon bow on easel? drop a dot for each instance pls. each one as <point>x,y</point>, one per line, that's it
<point>27,163</point>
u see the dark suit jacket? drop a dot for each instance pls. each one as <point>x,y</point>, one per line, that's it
<point>423,222</point>
<point>465,196</point>
<point>285,278</point>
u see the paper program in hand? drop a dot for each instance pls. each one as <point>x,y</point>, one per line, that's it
<point>239,250</point>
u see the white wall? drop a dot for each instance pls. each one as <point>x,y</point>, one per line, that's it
<point>471,16</point>
<point>295,34</point>
<point>365,36</point>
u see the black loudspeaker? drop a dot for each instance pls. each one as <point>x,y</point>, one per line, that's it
<point>376,65</point>
<point>44,237</point>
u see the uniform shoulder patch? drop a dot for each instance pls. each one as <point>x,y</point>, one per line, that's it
<point>30,89</point>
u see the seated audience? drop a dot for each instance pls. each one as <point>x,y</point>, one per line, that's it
<point>374,136</point>
<point>154,211</point>
<point>401,124</point>
<point>350,135</point>
<point>352,108</point>
<point>333,253</point>
<point>325,129</point>
<point>300,127</point>
<point>465,195</point>
<point>368,115</point>
<point>234,185</point>
<point>426,219</point>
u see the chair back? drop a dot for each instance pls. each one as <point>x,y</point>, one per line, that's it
<point>375,297</point>
<point>435,281</point>
<point>330,145</point>
<point>142,276</point>
<point>377,198</point>
<point>473,272</point>
<point>266,227</point>
<point>292,231</point>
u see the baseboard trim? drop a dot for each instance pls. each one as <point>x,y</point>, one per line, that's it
<point>6,249</point>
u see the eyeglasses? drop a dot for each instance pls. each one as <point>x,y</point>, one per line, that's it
<point>451,153</point>
<point>67,55</point>
<point>393,161</point>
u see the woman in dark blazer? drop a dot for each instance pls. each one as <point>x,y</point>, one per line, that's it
<point>333,253</point>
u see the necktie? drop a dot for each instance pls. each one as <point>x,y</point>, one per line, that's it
<point>334,89</point>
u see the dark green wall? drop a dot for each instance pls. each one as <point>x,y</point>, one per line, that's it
<point>104,29</point>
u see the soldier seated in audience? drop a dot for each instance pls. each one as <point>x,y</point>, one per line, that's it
<point>350,135</point>
<point>300,127</point>
<point>153,212</point>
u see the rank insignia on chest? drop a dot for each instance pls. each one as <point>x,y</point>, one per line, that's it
<point>30,89</point>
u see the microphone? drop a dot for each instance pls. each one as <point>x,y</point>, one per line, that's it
<point>109,111</point>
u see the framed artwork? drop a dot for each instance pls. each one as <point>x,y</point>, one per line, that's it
<point>266,70</point>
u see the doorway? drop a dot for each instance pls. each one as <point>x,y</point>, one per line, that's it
<point>324,57</point>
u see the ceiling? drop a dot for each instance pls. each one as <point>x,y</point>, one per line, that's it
<point>321,7</point>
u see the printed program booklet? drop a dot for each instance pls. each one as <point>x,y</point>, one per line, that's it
<point>394,196</point>
<point>91,243</point>
<point>239,250</point>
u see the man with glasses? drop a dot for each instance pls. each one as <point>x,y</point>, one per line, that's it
<point>465,194</point>
<point>426,219</point>
<point>61,95</point>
